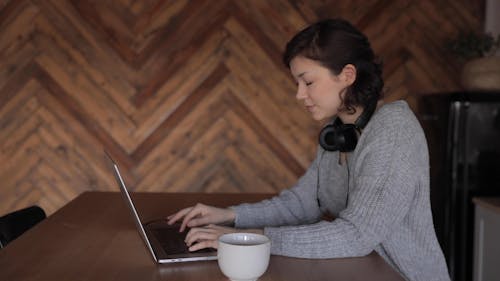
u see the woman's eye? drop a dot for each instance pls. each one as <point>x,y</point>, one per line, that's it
<point>308,83</point>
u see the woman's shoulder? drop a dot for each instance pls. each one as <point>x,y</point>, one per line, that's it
<point>396,113</point>
<point>394,120</point>
<point>394,109</point>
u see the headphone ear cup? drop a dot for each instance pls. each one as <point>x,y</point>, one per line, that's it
<point>343,138</point>
<point>349,137</point>
<point>328,138</point>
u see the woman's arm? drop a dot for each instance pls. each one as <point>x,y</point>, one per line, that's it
<point>388,170</point>
<point>294,206</point>
<point>377,205</point>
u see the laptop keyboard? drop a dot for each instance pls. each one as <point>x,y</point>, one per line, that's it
<point>172,241</point>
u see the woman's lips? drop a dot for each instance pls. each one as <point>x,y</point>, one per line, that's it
<point>310,108</point>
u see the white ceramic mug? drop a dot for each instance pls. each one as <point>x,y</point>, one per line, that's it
<point>243,256</point>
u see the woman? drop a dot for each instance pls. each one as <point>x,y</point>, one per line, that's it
<point>371,171</point>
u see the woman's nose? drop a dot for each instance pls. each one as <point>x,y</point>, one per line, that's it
<point>301,93</point>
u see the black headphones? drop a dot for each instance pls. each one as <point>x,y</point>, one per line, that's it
<point>344,137</point>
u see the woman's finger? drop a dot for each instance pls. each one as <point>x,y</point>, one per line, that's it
<point>210,232</point>
<point>194,212</point>
<point>199,236</point>
<point>204,244</point>
<point>210,228</point>
<point>175,217</point>
<point>201,233</point>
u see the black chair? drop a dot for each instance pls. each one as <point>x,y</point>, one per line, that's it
<point>14,224</point>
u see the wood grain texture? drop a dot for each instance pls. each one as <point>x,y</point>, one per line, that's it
<point>75,244</point>
<point>185,95</point>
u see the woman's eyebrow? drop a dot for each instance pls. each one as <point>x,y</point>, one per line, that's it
<point>300,75</point>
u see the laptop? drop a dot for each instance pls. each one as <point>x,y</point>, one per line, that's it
<point>164,242</point>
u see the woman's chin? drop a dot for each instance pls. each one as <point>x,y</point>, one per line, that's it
<point>318,118</point>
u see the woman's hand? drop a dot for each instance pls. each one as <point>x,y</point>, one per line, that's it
<point>201,214</point>
<point>208,237</point>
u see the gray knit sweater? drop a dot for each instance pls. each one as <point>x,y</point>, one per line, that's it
<point>380,199</point>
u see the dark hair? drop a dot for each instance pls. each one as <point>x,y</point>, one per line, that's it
<point>334,43</point>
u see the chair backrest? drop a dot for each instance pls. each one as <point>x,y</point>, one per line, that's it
<point>14,224</point>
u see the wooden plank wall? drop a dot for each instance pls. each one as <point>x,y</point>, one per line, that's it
<point>185,95</point>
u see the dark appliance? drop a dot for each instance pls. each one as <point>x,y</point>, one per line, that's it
<point>463,134</point>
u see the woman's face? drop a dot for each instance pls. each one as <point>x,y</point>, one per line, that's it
<point>318,88</point>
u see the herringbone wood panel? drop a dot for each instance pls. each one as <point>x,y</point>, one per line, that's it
<point>185,95</point>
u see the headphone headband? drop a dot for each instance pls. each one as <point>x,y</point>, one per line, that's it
<point>365,116</point>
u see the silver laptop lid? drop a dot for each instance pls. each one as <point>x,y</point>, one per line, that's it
<point>159,256</point>
<point>132,209</point>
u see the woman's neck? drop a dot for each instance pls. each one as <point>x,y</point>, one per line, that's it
<point>350,118</point>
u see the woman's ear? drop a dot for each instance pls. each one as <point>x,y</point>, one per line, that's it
<point>348,74</point>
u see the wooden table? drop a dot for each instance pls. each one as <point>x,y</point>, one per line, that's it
<point>94,238</point>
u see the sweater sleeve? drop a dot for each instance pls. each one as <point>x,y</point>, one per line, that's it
<point>294,206</point>
<point>384,183</point>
